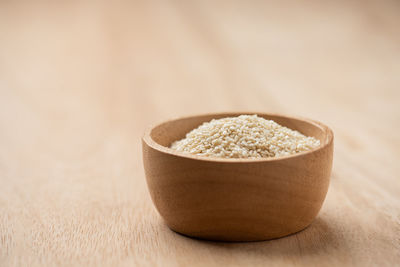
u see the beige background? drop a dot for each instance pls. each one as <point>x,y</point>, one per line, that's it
<point>81,80</point>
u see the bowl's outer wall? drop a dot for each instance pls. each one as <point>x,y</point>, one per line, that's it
<point>238,201</point>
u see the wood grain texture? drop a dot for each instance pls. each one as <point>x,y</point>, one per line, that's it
<point>236,199</point>
<point>81,80</point>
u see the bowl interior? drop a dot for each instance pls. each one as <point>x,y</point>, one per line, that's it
<point>166,133</point>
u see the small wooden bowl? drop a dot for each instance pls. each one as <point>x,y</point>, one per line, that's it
<point>236,199</point>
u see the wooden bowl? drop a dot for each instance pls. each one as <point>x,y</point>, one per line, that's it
<point>236,199</point>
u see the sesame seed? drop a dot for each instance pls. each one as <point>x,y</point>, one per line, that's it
<point>245,136</point>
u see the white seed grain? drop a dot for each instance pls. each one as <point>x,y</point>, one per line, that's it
<point>245,136</point>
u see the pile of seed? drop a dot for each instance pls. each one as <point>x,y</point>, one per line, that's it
<point>245,136</point>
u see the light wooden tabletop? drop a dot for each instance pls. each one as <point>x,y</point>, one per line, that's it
<point>81,80</point>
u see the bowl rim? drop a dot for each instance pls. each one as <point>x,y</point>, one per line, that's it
<point>146,138</point>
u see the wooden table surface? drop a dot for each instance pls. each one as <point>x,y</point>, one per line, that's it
<point>81,80</point>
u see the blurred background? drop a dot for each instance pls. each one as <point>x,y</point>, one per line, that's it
<point>81,80</point>
<point>72,73</point>
<point>84,65</point>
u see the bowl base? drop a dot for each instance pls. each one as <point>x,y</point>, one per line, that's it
<point>236,238</point>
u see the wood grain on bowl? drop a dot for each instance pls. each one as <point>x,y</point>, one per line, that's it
<point>236,199</point>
